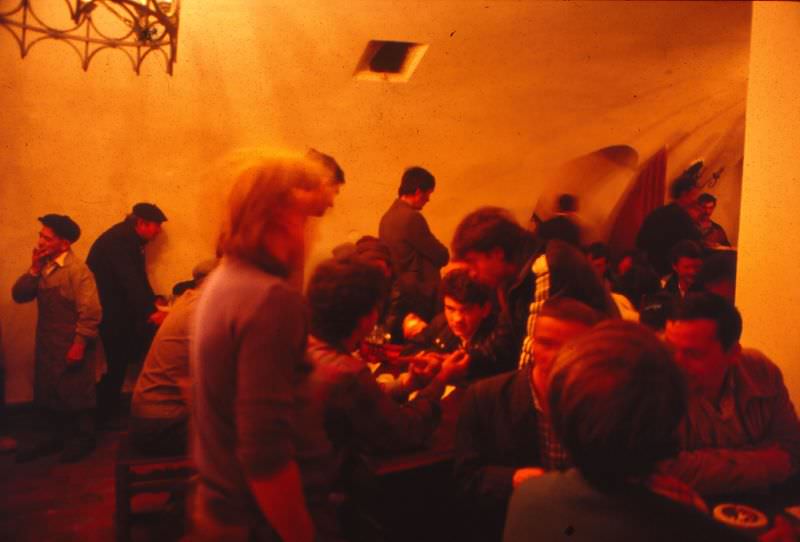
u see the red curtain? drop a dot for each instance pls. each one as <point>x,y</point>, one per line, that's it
<point>646,194</point>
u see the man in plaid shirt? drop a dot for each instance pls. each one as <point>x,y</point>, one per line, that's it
<point>504,433</point>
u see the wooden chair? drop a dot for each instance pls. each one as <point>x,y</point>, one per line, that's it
<point>136,473</point>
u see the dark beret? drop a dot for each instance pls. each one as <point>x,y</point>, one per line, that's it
<point>63,226</point>
<point>149,211</point>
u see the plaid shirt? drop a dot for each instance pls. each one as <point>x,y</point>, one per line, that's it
<point>552,454</point>
<point>541,292</point>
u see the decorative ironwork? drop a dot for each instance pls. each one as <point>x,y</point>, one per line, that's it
<point>147,26</point>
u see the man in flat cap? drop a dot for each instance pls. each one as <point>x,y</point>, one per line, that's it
<point>130,316</point>
<point>69,316</point>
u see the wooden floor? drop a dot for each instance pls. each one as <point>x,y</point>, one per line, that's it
<point>45,500</point>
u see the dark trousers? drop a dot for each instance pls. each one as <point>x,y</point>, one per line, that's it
<point>160,436</point>
<point>64,426</point>
<point>122,346</point>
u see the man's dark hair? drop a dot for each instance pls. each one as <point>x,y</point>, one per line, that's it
<point>617,397</point>
<point>685,183</point>
<point>329,163</point>
<point>686,249</point>
<point>656,309</point>
<point>597,250</point>
<point>718,267</point>
<point>705,197</point>
<point>460,285</point>
<point>571,310</point>
<point>487,228</point>
<point>559,227</point>
<point>416,178</point>
<point>339,294</point>
<point>708,306</point>
<point>566,203</point>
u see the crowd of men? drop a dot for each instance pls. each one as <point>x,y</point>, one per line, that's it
<point>617,391</point>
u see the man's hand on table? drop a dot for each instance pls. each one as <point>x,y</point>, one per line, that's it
<point>454,367</point>
<point>520,475</point>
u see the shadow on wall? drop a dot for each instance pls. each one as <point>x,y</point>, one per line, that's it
<point>599,179</point>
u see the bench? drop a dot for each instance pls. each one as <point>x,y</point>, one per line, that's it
<point>136,473</point>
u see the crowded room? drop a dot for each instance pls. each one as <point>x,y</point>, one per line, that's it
<point>390,270</point>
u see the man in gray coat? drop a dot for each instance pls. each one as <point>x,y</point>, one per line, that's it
<point>66,330</point>
<point>417,255</point>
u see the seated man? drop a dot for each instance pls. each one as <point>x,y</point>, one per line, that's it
<point>616,400</point>
<point>159,411</point>
<point>687,259</point>
<point>468,323</point>
<point>504,434</point>
<point>525,270</point>
<point>344,298</point>
<point>713,233</point>
<point>718,275</point>
<point>741,432</point>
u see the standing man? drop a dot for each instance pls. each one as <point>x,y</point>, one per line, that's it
<point>667,225</point>
<point>417,255</point>
<point>129,311</point>
<point>69,315</point>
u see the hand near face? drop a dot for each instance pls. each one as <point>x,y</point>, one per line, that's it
<point>423,367</point>
<point>454,366</point>
<point>41,255</point>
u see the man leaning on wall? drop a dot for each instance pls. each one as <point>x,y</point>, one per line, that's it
<point>69,315</point>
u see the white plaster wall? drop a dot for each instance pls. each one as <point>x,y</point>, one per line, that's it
<point>768,289</point>
<point>507,92</point>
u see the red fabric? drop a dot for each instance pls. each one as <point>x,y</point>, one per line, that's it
<point>646,195</point>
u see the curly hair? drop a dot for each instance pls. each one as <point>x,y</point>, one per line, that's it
<point>616,397</point>
<point>487,228</point>
<point>339,294</point>
<point>462,286</point>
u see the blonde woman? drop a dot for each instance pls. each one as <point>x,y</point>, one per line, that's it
<point>247,356</point>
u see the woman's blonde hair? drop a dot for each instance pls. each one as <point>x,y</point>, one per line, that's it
<point>266,186</point>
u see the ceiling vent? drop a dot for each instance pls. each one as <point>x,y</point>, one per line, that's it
<point>393,61</point>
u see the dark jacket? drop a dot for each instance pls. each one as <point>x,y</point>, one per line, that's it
<point>661,230</point>
<point>564,506</point>
<point>491,349</point>
<point>497,434</point>
<point>416,254</point>
<point>117,260</point>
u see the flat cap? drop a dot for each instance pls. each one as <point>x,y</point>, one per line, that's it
<point>149,211</point>
<point>63,226</point>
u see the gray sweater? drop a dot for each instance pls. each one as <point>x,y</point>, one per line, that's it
<point>249,382</point>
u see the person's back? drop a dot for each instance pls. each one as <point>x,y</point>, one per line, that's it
<point>567,507</point>
<point>118,303</point>
<point>417,255</point>
<point>616,398</point>
<point>672,223</point>
<point>230,372</point>
<point>159,412</point>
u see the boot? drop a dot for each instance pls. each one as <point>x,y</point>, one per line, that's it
<point>80,437</point>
